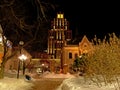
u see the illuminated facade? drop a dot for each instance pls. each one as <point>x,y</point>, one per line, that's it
<point>58,35</point>
<point>60,53</point>
<point>70,52</point>
<point>59,50</point>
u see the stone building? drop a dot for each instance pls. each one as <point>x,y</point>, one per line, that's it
<point>57,36</point>
<point>59,50</point>
<point>71,52</point>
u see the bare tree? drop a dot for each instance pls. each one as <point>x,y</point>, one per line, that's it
<point>27,20</point>
<point>24,20</point>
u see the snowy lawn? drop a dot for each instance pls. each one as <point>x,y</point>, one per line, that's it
<point>79,83</point>
<point>15,84</point>
<point>70,83</point>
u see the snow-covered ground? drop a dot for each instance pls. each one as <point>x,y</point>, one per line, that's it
<point>70,83</point>
<point>79,83</point>
<point>15,84</point>
<point>10,82</point>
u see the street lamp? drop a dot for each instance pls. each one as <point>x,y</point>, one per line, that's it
<point>23,58</point>
<point>20,47</point>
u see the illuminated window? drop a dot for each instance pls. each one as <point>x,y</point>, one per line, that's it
<point>59,15</point>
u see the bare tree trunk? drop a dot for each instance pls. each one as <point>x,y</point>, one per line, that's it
<point>2,71</point>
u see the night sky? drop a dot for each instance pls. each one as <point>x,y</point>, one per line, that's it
<point>91,18</point>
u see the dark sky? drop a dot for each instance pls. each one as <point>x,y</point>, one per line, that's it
<point>91,18</point>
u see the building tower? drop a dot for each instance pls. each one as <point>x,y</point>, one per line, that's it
<point>58,35</point>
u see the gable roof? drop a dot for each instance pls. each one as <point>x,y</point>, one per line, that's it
<point>84,40</point>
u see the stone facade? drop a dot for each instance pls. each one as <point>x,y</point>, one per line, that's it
<point>59,50</point>
<point>70,52</point>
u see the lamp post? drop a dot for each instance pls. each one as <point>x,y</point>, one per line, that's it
<point>20,47</point>
<point>23,58</point>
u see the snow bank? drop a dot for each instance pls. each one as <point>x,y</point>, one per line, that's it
<point>80,84</point>
<point>15,84</point>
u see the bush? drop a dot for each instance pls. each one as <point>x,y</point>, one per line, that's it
<point>104,64</point>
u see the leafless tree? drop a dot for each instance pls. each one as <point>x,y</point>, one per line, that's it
<point>25,20</point>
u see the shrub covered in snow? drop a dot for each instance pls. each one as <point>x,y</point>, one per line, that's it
<point>104,64</point>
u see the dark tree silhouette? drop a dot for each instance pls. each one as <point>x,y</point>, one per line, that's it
<point>27,20</point>
<point>24,20</point>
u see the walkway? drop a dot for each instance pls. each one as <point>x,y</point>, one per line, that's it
<point>47,83</point>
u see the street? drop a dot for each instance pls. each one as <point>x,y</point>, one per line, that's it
<point>47,83</point>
